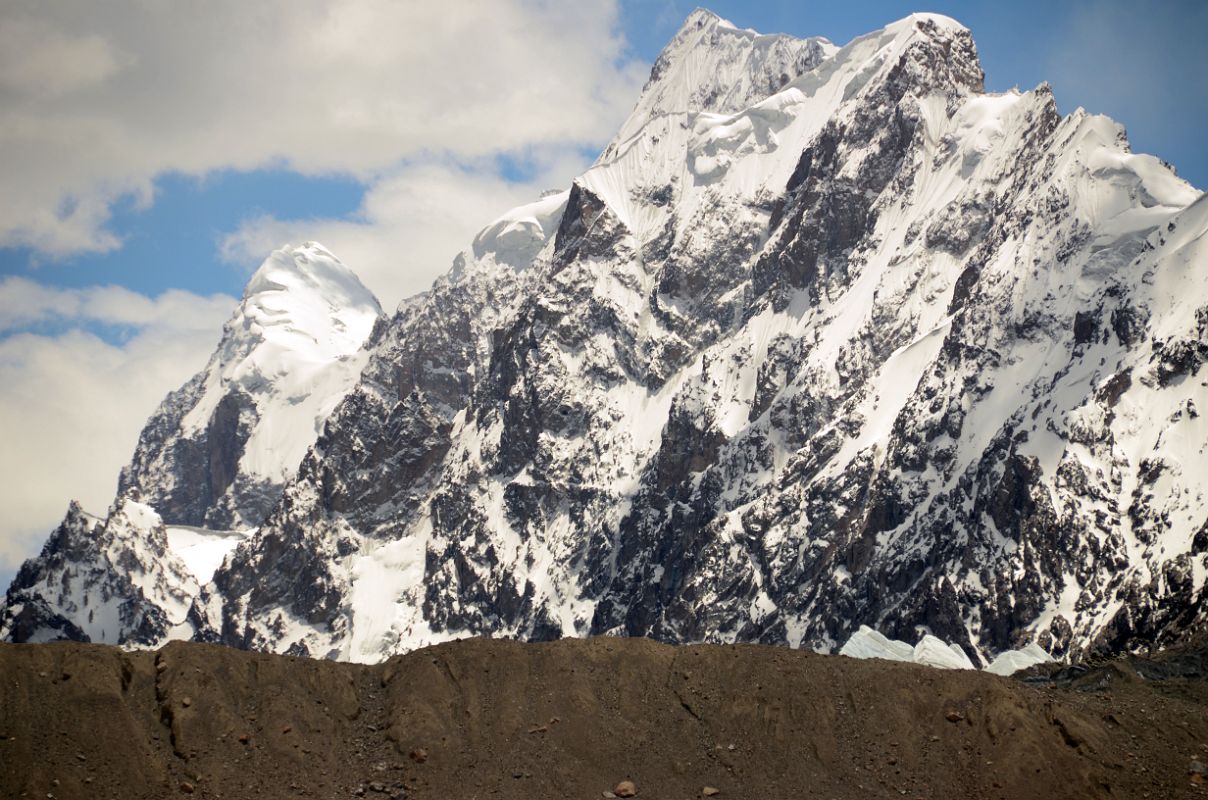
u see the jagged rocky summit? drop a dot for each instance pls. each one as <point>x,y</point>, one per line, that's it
<point>826,337</point>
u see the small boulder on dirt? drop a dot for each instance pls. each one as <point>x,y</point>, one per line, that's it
<point>625,789</point>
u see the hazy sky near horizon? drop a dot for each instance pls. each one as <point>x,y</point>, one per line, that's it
<point>154,154</point>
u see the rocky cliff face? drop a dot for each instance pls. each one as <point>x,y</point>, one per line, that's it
<point>827,337</point>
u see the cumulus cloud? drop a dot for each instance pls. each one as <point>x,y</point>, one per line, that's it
<point>24,303</point>
<point>36,59</point>
<point>99,98</point>
<point>411,223</point>
<point>72,404</point>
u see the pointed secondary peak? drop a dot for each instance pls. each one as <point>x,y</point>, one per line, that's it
<point>925,20</point>
<point>713,66</point>
<point>925,52</point>
<point>703,17</point>
<point>82,517</point>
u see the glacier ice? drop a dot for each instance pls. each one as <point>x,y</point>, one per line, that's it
<point>932,651</point>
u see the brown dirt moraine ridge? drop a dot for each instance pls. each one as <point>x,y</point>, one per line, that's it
<point>571,719</point>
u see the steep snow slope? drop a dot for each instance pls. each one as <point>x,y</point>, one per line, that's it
<point>203,550</point>
<point>826,337</point>
<point>219,449</point>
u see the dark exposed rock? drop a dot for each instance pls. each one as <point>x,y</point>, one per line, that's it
<point>1086,327</point>
<point>1178,357</point>
<point>960,226</point>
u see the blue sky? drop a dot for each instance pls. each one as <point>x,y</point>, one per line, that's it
<point>161,151</point>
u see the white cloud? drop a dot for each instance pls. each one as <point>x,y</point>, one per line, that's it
<point>72,404</point>
<point>411,223</point>
<point>99,98</point>
<point>35,59</point>
<point>24,302</point>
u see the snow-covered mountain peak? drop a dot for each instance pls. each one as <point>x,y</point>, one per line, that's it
<point>218,450</point>
<point>303,313</point>
<point>720,102</point>
<point>304,299</point>
<point>700,17</point>
<point>927,20</point>
<point>921,52</point>
<point>712,66</point>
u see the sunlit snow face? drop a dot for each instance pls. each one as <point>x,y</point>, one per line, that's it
<point>294,347</point>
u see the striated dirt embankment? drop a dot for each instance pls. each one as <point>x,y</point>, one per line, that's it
<point>574,719</point>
